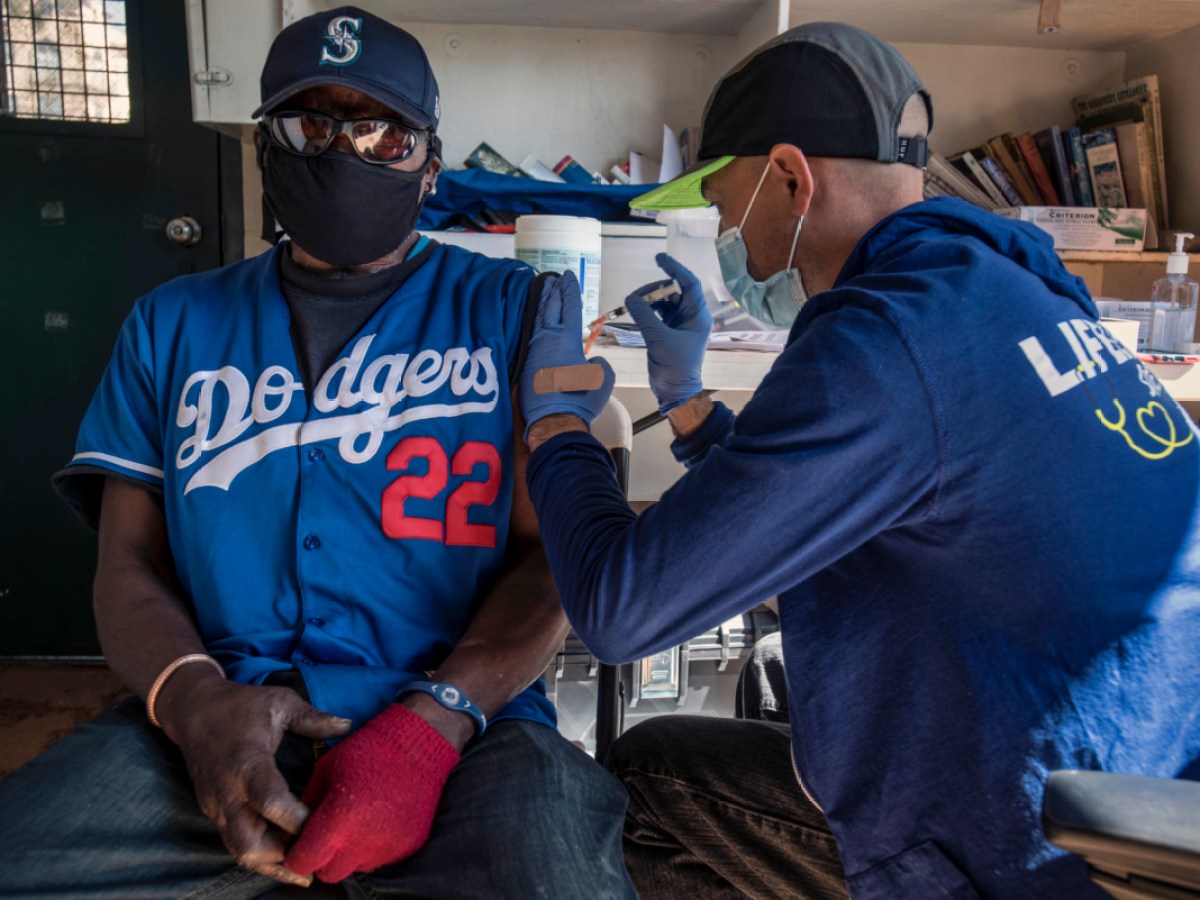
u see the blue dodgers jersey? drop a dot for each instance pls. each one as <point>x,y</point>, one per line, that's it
<point>349,534</point>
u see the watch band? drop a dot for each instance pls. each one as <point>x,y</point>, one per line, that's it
<point>449,696</point>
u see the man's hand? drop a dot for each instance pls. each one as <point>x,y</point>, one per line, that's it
<point>373,797</point>
<point>228,734</point>
<point>558,341</point>
<point>676,332</point>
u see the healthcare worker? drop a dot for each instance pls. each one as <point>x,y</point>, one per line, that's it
<point>977,509</point>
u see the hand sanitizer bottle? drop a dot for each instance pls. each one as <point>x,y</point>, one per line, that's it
<point>1173,304</point>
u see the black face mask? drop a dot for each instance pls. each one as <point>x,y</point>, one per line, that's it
<point>343,211</point>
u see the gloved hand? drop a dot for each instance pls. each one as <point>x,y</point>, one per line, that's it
<point>676,331</point>
<point>373,797</point>
<point>558,341</point>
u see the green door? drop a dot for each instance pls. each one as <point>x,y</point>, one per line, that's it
<point>98,153</point>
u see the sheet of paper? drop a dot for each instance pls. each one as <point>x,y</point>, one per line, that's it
<point>625,337</point>
<point>672,162</point>
<point>642,169</point>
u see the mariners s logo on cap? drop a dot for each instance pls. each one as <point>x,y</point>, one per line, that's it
<point>343,42</point>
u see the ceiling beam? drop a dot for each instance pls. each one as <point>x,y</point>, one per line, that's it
<point>1050,17</point>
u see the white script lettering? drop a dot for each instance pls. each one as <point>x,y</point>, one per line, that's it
<point>382,385</point>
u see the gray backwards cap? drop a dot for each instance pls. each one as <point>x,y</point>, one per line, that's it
<point>828,88</point>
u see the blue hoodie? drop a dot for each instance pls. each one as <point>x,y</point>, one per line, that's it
<point>979,513</point>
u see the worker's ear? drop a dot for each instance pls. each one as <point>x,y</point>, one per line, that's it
<point>790,166</point>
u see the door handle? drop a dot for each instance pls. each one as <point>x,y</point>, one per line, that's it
<point>184,230</point>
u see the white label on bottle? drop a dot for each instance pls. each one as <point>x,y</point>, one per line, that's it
<point>586,267</point>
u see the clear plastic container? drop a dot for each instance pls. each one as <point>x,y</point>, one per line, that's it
<point>691,239</point>
<point>1173,303</point>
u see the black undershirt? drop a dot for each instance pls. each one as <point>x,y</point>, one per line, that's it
<point>329,309</point>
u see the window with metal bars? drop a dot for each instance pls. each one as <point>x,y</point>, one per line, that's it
<point>65,60</point>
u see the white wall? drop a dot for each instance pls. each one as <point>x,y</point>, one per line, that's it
<point>550,92</point>
<point>979,92</point>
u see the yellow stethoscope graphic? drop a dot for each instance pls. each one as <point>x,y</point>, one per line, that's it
<point>1144,414</point>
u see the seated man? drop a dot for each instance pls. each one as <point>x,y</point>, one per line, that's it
<point>317,561</point>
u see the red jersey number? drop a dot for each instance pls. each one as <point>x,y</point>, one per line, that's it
<point>456,530</point>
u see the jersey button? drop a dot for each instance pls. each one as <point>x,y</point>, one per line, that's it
<point>314,620</point>
<point>316,454</point>
<point>312,542</point>
<point>305,660</point>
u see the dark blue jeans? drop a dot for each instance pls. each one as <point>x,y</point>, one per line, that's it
<point>109,812</point>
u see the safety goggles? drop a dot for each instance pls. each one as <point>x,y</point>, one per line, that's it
<point>381,142</point>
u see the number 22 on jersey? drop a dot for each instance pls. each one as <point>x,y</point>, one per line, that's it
<point>455,529</point>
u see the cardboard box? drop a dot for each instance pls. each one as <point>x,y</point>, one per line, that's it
<point>1086,227</point>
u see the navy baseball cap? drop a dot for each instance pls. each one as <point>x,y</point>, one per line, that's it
<point>351,47</point>
<point>830,89</point>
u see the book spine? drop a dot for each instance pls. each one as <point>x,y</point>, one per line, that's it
<point>1145,156</point>
<point>1003,154</point>
<point>1037,168</point>
<point>484,157</point>
<point>1160,163</point>
<point>1104,165</point>
<point>1006,188</point>
<point>1024,177</point>
<point>957,182</point>
<point>982,177</point>
<point>535,168</point>
<point>1062,171</point>
<point>569,170</point>
<point>1083,179</point>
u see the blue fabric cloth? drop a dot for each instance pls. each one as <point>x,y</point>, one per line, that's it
<point>109,813</point>
<point>979,512</point>
<point>471,191</point>
<point>348,534</point>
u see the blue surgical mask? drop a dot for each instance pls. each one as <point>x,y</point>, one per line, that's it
<point>775,301</point>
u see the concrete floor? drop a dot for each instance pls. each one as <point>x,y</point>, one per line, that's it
<point>41,702</point>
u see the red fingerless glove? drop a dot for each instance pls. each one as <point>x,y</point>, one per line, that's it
<point>373,797</point>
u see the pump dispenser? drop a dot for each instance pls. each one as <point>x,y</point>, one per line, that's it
<point>1173,305</point>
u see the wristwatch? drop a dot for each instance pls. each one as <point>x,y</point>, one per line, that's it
<point>449,696</point>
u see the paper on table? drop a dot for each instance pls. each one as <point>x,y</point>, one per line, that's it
<point>769,341</point>
<point>772,341</point>
<point>672,162</point>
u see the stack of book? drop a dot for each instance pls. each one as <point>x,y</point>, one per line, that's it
<point>1112,156</point>
<point>567,170</point>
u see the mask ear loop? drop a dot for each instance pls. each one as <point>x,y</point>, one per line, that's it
<point>754,196</point>
<point>796,283</point>
<point>795,241</point>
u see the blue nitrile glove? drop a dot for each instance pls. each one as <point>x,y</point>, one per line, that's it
<point>676,331</point>
<point>558,341</point>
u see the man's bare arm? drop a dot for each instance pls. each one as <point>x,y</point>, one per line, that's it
<point>228,732</point>
<point>518,629</point>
